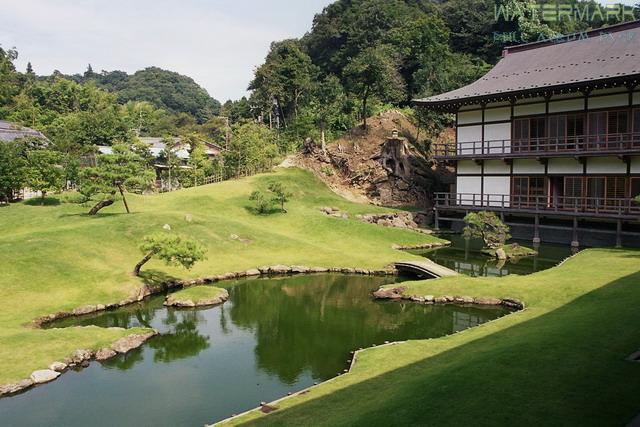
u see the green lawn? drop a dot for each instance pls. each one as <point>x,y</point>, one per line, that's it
<point>561,361</point>
<point>56,258</point>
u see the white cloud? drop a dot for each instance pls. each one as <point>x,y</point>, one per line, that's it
<point>217,43</point>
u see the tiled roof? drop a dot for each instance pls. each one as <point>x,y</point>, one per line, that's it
<point>12,131</point>
<point>598,56</point>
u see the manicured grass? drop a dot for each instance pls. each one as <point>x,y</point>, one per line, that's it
<point>56,258</point>
<point>197,293</point>
<point>561,361</point>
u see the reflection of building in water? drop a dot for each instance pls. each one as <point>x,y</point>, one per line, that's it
<point>462,321</point>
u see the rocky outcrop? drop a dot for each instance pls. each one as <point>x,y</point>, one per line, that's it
<point>407,220</point>
<point>397,293</point>
<point>58,366</point>
<point>334,212</point>
<point>128,343</point>
<point>176,301</point>
<point>105,353</point>
<point>16,387</point>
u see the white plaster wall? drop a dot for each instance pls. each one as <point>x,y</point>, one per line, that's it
<point>525,166</point>
<point>565,166</point>
<point>636,98</point>
<point>635,165</point>
<point>608,90</point>
<point>524,110</point>
<point>498,137</point>
<point>466,187</point>
<point>494,188</point>
<point>495,114</point>
<point>470,107</point>
<point>469,117</point>
<point>468,167</point>
<point>469,133</point>
<point>566,105</point>
<point>496,166</point>
<point>619,100</point>
<point>598,165</point>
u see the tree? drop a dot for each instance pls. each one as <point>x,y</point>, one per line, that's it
<point>261,202</point>
<point>488,227</point>
<point>374,73</point>
<point>121,171</point>
<point>44,172</point>
<point>328,101</point>
<point>280,194</point>
<point>30,69</point>
<point>252,148</point>
<point>172,249</point>
<point>12,168</point>
<point>172,161</point>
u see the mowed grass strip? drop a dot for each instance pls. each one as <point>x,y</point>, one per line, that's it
<point>57,258</point>
<point>561,361</point>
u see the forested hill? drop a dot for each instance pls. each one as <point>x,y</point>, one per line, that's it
<point>164,89</point>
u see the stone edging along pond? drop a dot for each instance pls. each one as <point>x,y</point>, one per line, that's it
<point>81,357</point>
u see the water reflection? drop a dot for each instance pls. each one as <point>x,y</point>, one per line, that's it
<point>464,256</point>
<point>273,336</point>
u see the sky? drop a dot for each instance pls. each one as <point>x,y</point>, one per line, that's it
<point>218,43</point>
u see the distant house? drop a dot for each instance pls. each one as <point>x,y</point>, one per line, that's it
<point>11,131</point>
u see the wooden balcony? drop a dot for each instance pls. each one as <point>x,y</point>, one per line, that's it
<point>595,207</point>
<point>621,144</point>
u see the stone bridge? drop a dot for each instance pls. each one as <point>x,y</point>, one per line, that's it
<point>424,268</point>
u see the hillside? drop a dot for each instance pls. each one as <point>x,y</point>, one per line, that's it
<point>376,168</point>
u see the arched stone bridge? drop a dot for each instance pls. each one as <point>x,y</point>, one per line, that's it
<point>424,268</point>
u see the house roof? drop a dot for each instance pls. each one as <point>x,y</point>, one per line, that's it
<point>606,56</point>
<point>11,131</point>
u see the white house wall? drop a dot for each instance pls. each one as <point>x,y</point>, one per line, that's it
<point>465,117</point>
<point>636,98</point>
<point>497,114</point>
<point>527,166</point>
<point>496,166</point>
<point>635,165</point>
<point>620,100</point>
<point>566,105</point>
<point>497,190</point>
<point>469,133</point>
<point>605,165</point>
<point>528,109</point>
<point>561,166</point>
<point>468,167</point>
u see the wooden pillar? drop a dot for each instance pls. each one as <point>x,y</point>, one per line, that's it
<point>436,219</point>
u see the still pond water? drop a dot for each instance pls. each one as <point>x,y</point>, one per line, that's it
<point>273,336</point>
<point>464,256</point>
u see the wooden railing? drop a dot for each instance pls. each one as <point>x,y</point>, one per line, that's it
<point>613,143</point>
<point>558,204</point>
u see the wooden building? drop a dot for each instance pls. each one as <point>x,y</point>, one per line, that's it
<point>550,138</point>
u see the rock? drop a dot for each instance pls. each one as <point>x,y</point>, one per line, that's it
<point>166,227</point>
<point>318,270</point>
<point>101,307</point>
<point>440,300</point>
<point>130,342</point>
<point>487,301</point>
<point>299,269</point>
<point>466,299</point>
<point>188,217</point>
<point>279,269</point>
<point>428,298</point>
<point>78,357</point>
<point>513,303</point>
<point>15,387</point>
<point>252,272</point>
<point>389,293</point>
<point>263,269</point>
<point>417,298</point>
<point>58,366</point>
<point>398,223</point>
<point>85,309</point>
<point>220,298</point>
<point>501,254</point>
<point>234,236</point>
<point>44,376</point>
<point>105,353</point>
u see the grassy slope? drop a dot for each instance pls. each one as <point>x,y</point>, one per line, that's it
<point>57,258</point>
<point>197,293</point>
<point>559,362</point>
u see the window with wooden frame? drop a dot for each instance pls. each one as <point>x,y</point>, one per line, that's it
<point>520,135</point>
<point>575,131</point>
<point>606,191</point>
<point>527,191</point>
<point>572,197</point>
<point>557,132</point>
<point>597,128</point>
<point>617,127</point>
<point>634,187</point>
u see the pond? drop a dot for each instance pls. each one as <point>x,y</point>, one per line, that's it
<point>464,256</point>
<point>273,336</point>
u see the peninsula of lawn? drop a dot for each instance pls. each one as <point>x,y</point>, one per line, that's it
<point>56,258</point>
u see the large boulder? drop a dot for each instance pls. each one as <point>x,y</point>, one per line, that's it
<point>487,301</point>
<point>105,353</point>
<point>78,356</point>
<point>501,254</point>
<point>58,366</point>
<point>389,293</point>
<point>44,376</point>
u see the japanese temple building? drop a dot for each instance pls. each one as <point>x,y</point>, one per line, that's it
<point>550,139</point>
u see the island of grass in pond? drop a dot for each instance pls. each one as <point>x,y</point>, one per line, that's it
<point>272,337</point>
<point>465,256</point>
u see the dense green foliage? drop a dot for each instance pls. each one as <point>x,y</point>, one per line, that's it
<point>164,89</point>
<point>172,249</point>
<point>487,226</point>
